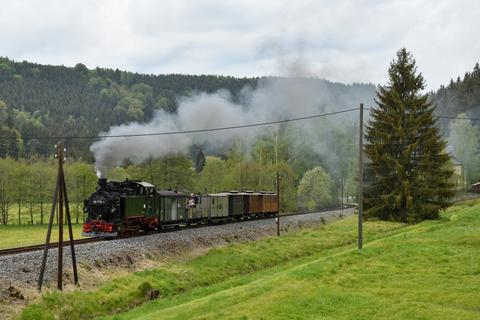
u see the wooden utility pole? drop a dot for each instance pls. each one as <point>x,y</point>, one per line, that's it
<point>360,180</point>
<point>278,202</point>
<point>60,197</point>
<point>342,181</point>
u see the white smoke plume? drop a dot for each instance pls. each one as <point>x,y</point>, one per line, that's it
<point>273,99</point>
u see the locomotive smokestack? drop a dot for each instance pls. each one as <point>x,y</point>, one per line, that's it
<point>102,182</point>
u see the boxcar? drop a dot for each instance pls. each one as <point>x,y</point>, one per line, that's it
<point>218,203</point>
<point>201,210</point>
<point>254,203</point>
<point>236,203</point>
<point>171,205</point>
<point>270,202</point>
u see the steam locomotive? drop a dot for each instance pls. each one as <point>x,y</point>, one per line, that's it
<point>130,207</point>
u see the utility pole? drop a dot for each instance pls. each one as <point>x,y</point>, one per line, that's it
<point>342,181</point>
<point>278,202</point>
<point>276,146</point>
<point>360,180</point>
<point>60,197</point>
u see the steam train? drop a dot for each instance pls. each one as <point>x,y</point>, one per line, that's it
<point>130,207</point>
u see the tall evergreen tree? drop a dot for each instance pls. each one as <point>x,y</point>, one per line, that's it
<point>407,170</point>
<point>199,161</point>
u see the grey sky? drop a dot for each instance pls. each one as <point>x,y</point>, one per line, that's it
<point>343,41</point>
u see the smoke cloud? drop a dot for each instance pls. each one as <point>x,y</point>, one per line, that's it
<point>272,99</point>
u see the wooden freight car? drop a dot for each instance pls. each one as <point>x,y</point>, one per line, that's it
<point>253,203</point>
<point>270,202</point>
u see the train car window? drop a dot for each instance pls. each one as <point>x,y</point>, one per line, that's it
<point>213,200</point>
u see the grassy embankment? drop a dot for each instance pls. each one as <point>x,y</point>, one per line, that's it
<point>428,271</point>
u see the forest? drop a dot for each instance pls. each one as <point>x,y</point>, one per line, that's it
<point>38,102</point>
<point>461,98</point>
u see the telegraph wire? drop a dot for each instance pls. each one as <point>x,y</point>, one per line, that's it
<point>443,117</point>
<point>251,125</point>
<point>184,131</point>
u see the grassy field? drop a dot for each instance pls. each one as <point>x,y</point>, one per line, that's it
<point>427,271</point>
<point>29,213</point>
<point>17,236</point>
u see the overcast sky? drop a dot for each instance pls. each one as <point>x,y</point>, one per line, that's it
<point>346,41</point>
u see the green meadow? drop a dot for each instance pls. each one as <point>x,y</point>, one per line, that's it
<point>26,235</point>
<point>426,271</point>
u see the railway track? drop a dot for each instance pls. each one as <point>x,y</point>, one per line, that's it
<point>12,251</point>
<point>37,247</point>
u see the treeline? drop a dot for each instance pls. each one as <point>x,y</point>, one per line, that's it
<point>30,184</point>
<point>461,98</point>
<point>307,181</point>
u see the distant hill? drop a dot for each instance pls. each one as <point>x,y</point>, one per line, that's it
<point>45,100</point>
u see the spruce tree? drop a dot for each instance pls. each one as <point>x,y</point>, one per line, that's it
<point>407,170</point>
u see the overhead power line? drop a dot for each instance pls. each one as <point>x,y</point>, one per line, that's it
<point>444,117</point>
<point>458,118</point>
<point>183,131</point>
<point>251,125</point>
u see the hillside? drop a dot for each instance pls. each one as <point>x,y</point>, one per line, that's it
<point>403,272</point>
<point>461,98</point>
<point>45,100</point>
<point>461,95</point>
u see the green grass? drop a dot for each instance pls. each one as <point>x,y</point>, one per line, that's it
<point>35,216</point>
<point>17,236</point>
<point>427,271</point>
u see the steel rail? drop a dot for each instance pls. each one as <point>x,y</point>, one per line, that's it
<point>11,251</point>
